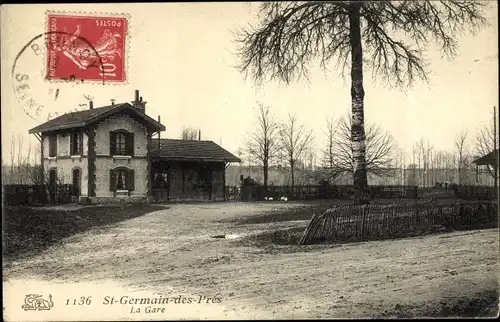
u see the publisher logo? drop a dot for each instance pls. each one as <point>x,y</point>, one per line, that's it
<point>34,302</point>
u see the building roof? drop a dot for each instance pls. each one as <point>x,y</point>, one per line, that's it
<point>191,150</point>
<point>86,117</point>
<point>488,159</point>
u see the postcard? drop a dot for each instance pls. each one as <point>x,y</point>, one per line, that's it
<point>249,160</point>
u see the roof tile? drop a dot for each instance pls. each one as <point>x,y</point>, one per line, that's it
<point>173,149</point>
<point>77,119</point>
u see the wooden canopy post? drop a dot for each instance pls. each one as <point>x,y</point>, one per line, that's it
<point>224,181</point>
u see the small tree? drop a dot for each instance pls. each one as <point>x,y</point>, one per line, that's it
<point>328,161</point>
<point>262,143</point>
<point>461,152</point>
<point>294,141</point>
<point>381,150</point>
<point>189,133</point>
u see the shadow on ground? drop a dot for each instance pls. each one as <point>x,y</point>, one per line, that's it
<point>482,305</point>
<point>28,231</point>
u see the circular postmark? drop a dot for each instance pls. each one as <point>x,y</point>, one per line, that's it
<point>38,73</point>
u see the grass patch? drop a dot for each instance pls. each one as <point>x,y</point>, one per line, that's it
<point>300,212</point>
<point>28,231</point>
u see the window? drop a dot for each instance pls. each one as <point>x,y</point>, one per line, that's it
<point>76,143</point>
<point>52,146</point>
<point>121,143</point>
<point>76,182</point>
<point>160,180</point>
<point>121,179</point>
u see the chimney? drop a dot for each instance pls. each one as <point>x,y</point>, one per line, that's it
<point>138,103</point>
<point>91,105</point>
<point>199,135</point>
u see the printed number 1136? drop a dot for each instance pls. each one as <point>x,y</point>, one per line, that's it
<point>79,301</point>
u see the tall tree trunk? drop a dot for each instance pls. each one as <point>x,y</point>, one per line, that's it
<point>292,168</point>
<point>357,97</point>
<point>266,170</point>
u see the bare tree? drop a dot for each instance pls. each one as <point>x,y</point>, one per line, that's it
<point>294,141</point>
<point>424,158</point>
<point>461,152</point>
<point>328,151</point>
<point>289,35</point>
<point>12,157</point>
<point>19,159</point>
<point>381,149</point>
<point>487,142</point>
<point>189,133</point>
<point>262,143</point>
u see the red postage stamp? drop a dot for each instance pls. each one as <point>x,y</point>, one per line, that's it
<point>86,48</point>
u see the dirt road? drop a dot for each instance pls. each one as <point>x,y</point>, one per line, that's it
<point>171,252</point>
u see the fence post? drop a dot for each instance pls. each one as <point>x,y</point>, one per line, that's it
<point>363,219</point>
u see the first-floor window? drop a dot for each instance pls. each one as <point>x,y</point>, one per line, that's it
<point>52,146</point>
<point>76,143</point>
<point>122,179</point>
<point>121,143</point>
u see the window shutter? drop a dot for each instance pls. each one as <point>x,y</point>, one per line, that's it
<point>130,144</point>
<point>53,146</point>
<point>112,180</point>
<point>131,180</point>
<point>80,142</point>
<point>112,143</point>
<point>71,143</point>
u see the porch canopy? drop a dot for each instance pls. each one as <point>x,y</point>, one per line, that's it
<point>488,159</point>
<point>190,150</point>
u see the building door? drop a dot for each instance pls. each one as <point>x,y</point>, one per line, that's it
<point>52,186</point>
<point>77,183</point>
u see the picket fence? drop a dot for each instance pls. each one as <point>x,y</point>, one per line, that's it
<point>344,223</point>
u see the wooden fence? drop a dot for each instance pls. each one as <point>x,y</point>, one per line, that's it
<point>352,223</point>
<point>17,194</point>
<point>258,193</point>
<point>476,192</point>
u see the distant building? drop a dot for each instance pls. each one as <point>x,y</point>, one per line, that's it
<point>490,159</point>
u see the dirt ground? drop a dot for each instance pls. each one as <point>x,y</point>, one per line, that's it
<point>172,251</point>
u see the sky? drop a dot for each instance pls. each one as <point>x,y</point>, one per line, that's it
<point>181,57</point>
